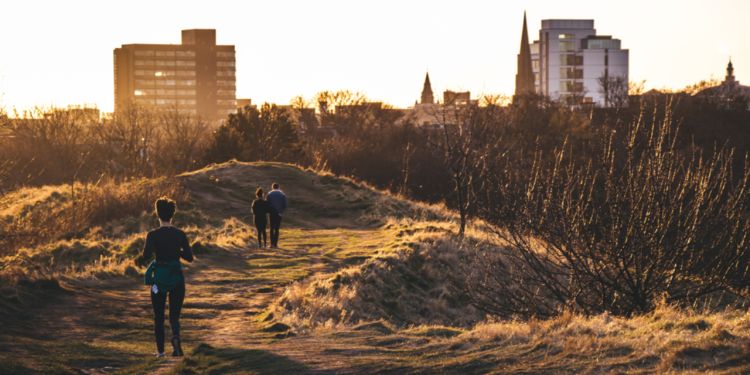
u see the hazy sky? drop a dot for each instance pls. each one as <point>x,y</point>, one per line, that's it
<point>60,52</point>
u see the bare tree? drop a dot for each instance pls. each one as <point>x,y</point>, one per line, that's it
<point>464,134</point>
<point>638,222</point>
<point>180,141</point>
<point>615,91</point>
<point>128,141</point>
<point>48,145</point>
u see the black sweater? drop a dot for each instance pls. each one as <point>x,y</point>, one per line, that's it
<point>261,208</point>
<point>166,244</point>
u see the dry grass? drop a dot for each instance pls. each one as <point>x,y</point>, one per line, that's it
<point>414,278</point>
<point>373,286</point>
<point>34,216</point>
<point>316,200</point>
<point>667,340</point>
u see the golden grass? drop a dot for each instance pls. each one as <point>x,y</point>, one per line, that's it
<point>408,280</point>
<point>366,280</point>
<point>34,216</point>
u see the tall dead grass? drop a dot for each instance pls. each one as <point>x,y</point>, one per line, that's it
<point>34,216</point>
<point>415,279</point>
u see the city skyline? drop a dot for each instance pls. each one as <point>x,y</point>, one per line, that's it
<point>292,48</point>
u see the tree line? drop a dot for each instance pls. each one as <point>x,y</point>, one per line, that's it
<point>601,209</point>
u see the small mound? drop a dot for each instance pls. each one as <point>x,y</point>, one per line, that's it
<point>418,283</point>
<point>691,357</point>
<point>316,200</point>
<point>378,326</point>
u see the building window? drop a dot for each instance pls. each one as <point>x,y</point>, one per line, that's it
<point>574,60</point>
<point>139,93</point>
<point>144,62</point>
<point>571,73</point>
<point>164,63</point>
<point>186,63</point>
<point>221,54</point>
<point>572,86</point>
<point>164,73</point>
<point>166,82</point>
<point>185,53</point>
<point>225,63</point>
<point>187,82</point>
<point>144,53</point>
<point>229,103</point>
<point>225,83</point>
<point>566,36</point>
<point>165,53</point>
<point>567,45</point>
<point>225,73</point>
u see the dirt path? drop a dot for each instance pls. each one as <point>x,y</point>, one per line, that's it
<point>229,290</point>
<point>104,326</point>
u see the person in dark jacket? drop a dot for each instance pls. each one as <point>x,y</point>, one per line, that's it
<point>167,245</point>
<point>277,200</point>
<point>260,209</point>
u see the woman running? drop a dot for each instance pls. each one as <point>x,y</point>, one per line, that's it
<point>167,245</point>
<point>260,210</point>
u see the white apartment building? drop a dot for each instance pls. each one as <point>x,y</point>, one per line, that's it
<point>569,61</point>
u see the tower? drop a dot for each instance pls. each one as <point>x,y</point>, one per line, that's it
<point>427,97</point>
<point>730,72</point>
<point>524,72</point>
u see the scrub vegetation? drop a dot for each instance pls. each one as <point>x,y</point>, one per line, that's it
<point>364,281</point>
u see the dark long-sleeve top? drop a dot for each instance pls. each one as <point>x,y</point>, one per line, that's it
<point>260,207</point>
<point>166,244</point>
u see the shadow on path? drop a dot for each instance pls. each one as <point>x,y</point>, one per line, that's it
<point>208,359</point>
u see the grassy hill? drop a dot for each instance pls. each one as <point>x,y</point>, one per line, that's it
<point>363,282</point>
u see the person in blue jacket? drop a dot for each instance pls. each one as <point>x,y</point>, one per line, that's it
<point>166,244</point>
<point>277,200</point>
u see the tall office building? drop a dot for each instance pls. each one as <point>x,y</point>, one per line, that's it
<point>196,77</point>
<point>570,62</point>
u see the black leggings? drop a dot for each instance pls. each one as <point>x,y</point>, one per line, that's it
<point>176,297</point>
<point>261,227</point>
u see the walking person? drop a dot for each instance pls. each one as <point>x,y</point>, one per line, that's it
<point>167,244</point>
<point>260,210</point>
<point>277,201</point>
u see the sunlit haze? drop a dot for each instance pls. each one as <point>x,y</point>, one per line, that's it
<point>60,52</point>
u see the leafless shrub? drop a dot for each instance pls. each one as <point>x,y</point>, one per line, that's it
<point>635,222</point>
<point>465,136</point>
<point>46,146</point>
<point>181,141</point>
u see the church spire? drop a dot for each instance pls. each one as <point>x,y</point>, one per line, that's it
<point>427,97</point>
<point>524,72</point>
<point>730,72</point>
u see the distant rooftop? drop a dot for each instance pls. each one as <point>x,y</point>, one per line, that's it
<point>567,24</point>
